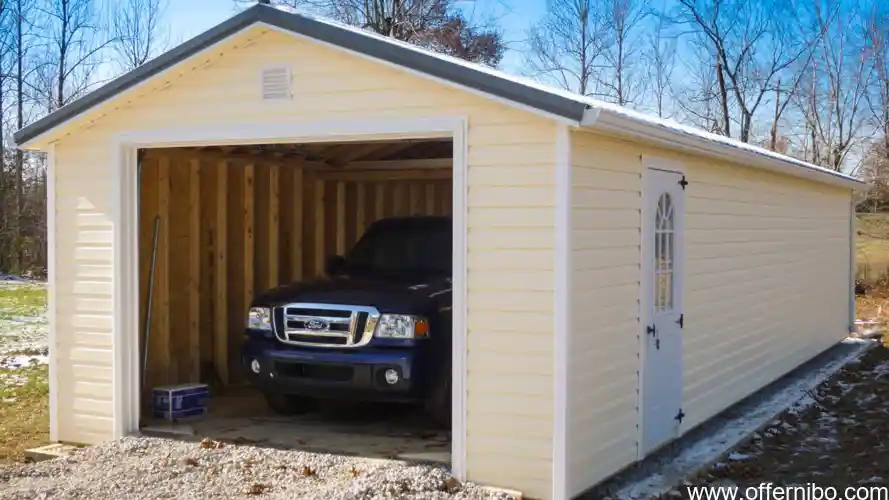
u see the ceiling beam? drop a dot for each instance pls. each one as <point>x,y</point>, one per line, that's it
<point>397,147</point>
<point>432,163</point>
<point>384,175</point>
<point>208,154</point>
<point>355,152</point>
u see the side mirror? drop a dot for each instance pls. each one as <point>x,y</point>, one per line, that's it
<point>335,266</point>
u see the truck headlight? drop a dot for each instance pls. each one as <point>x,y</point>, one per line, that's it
<point>259,318</point>
<point>400,326</point>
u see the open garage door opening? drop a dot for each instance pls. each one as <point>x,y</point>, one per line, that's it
<point>307,287</point>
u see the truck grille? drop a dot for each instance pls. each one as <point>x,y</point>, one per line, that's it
<point>325,325</point>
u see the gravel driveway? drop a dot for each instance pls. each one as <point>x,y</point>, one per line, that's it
<point>153,468</point>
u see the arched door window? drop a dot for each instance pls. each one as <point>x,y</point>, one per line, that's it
<point>664,233</point>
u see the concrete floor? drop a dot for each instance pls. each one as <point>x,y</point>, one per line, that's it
<point>376,431</point>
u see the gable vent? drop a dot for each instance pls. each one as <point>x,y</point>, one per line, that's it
<point>275,83</point>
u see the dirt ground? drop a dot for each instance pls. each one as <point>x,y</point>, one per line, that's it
<point>837,439</point>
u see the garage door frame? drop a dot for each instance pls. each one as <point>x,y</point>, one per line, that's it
<point>126,232</point>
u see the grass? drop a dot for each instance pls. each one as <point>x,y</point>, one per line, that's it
<point>24,411</point>
<point>872,247</point>
<point>22,300</point>
<point>24,392</point>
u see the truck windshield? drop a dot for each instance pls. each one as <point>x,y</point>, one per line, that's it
<point>402,249</point>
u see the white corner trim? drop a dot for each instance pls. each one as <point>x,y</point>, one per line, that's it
<point>853,266</point>
<point>123,302</point>
<point>460,211</point>
<point>125,215</point>
<point>51,301</point>
<point>562,307</point>
<point>653,132</point>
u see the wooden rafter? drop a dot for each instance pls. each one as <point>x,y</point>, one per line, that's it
<point>356,153</point>
<point>391,149</point>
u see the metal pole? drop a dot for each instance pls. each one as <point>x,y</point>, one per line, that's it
<point>139,213</point>
<point>157,221</point>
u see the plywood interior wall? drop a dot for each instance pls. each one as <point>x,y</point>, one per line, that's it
<point>230,227</point>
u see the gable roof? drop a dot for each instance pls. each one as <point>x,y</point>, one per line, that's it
<point>559,104</point>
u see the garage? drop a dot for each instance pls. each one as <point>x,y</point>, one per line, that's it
<point>220,226</point>
<point>616,279</point>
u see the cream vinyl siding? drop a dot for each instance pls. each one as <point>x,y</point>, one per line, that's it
<point>766,288</point>
<point>602,344</point>
<point>511,198</point>
<point>767,280</point>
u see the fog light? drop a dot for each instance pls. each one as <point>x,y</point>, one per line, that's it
<point>255,366</point>
<point>391,376</point>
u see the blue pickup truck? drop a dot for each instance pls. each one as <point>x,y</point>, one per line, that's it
<point>376,328</point>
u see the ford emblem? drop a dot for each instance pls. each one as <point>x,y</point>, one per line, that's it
<point>317,325</point>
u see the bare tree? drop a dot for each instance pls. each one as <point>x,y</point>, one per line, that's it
<point>878,99</point>
<point>8,218</point>
<point>137,32</point>
<point>624,82</point>
<point>703,101</point>
<point>833,96</point>
<point>875,171</point>
<point>22,182</point>
<point>754,44</point>
<point>438,25</point>
<point>16,21</point>
<point>76,37</point>
<point>565,47</point>
<point>783,97</point>
<point>659,58</point>
<point>20,122</point>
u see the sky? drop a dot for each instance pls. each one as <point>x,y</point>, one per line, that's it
<point>188,18</point>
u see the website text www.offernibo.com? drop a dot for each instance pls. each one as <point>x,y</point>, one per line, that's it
<point>769,491</point>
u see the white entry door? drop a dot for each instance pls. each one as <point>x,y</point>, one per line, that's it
<point>662,315</point>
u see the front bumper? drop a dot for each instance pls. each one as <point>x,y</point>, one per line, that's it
<point>359,376</point>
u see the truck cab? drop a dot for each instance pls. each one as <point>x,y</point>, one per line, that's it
<point>376,328</point>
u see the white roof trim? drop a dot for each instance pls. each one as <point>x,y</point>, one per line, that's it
<point>624,122</point>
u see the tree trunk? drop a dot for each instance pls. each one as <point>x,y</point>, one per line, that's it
<point>723,97</point>
<point>773,134</point>
<point>19,157</point>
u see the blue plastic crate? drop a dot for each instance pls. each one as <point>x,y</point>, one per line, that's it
<point>180,401</point>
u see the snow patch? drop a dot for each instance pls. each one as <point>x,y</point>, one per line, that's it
<point>855,340</point>
<point>23,361</point>
<point>880,371</point>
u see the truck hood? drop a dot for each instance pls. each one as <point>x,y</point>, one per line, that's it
<point>401,295</point>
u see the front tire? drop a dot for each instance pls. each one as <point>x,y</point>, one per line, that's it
<point>288,404</point>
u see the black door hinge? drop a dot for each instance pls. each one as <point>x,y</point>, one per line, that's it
<point>679,416</point>
<point>657,344</point>
<point>683,182</point>
<point>681,320</point>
